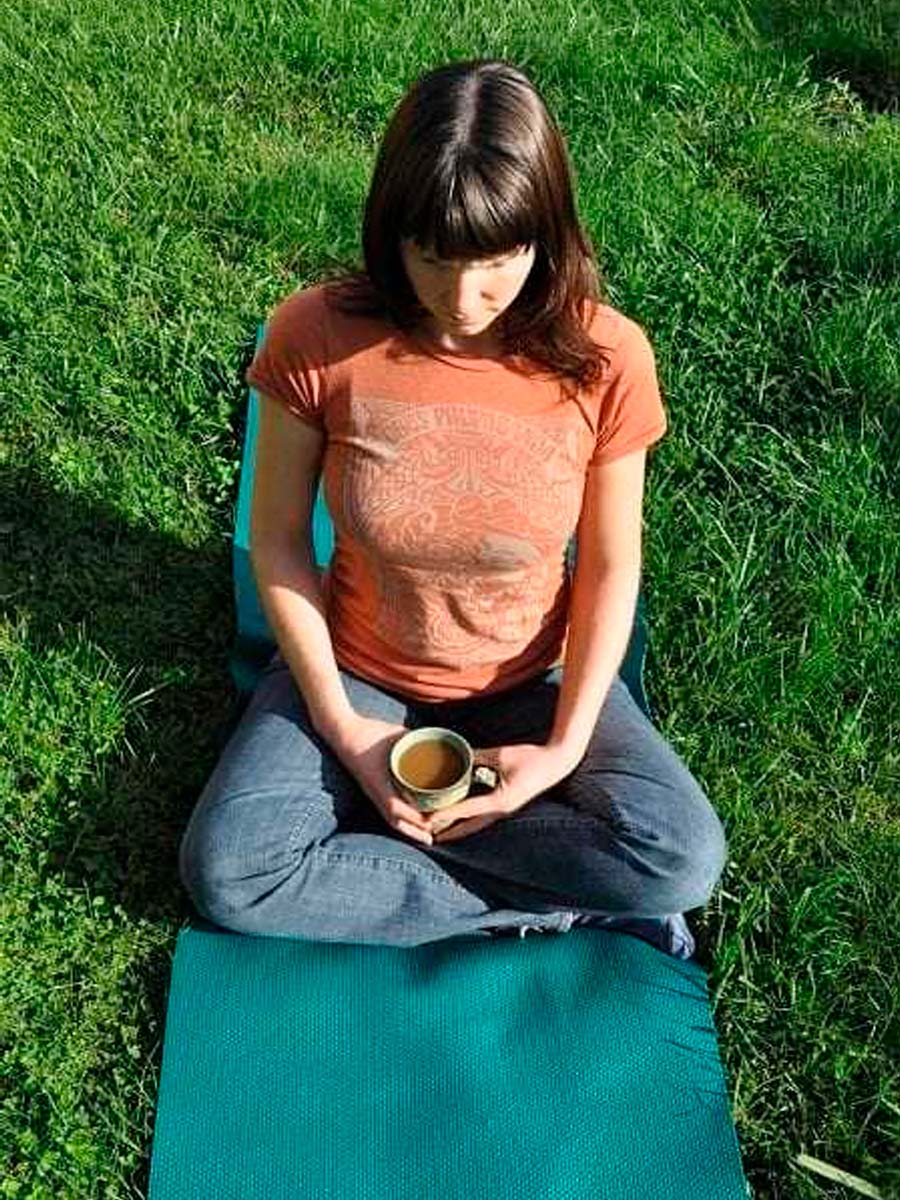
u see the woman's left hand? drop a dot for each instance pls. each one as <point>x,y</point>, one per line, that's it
<point>524,771</point>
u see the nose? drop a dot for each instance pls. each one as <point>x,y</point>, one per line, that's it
<point>463,295</point>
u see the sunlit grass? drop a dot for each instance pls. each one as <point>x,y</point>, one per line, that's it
<point>171,171</point>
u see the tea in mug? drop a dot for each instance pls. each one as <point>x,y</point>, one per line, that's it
<point>431,764</point>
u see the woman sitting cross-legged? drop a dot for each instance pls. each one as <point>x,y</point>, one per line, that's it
<point>472,403</point>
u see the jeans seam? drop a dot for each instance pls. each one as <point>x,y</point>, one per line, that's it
<point>541,824</point>
<point>296,829</point>
<point>619,824</point>
<point>618,827</point>
<point>376,861</point>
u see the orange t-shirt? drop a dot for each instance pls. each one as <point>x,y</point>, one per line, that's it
<point>454,484</point>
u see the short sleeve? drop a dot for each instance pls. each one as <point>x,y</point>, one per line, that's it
<point>631,414</point>
<point>290,362</point>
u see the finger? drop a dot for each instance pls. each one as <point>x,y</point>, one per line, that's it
<point>401,811</point>
<point>456,812</point>
<point>414,832</point>
<point>462,829</point>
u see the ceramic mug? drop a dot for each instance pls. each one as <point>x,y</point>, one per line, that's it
<point>433,768</point>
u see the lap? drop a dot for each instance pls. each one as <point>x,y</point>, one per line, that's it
<point>631,779</point>
<point>275,747</point>
<point>631,808</point>
<point>630,829</point>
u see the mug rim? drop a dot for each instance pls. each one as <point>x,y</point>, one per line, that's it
<point>421,734</point>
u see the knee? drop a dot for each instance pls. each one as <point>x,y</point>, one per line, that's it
<point>675,865</point>
<point>701,855</point>
<point>222,889</point>
<point>202,876</point>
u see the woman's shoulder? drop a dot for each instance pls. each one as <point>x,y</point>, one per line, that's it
<point>615,331</point>
<point>312,317</point>
<point>304,307</point>
<point>296,329</point>
<point>626,348</point>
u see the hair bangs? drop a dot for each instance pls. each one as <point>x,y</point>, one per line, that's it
<point>462,216</point>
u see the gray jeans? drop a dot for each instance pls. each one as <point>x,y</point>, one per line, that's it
<point>284,842</point>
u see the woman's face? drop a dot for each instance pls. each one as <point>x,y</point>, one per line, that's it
<point>465,297</point>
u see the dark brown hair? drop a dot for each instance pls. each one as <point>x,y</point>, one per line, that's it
<point>473,165</point>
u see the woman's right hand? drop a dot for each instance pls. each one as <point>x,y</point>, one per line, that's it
<point>363,745</point>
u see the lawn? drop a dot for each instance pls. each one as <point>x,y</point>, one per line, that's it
<point>170,171</point>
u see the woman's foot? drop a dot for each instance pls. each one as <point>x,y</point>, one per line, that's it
<point>670,933</point>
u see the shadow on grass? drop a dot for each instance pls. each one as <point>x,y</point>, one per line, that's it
<point>863,52</point>
<point>139,606</point>
<point>161,613</point>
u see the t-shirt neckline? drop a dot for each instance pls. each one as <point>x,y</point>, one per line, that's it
<point>467,362</point>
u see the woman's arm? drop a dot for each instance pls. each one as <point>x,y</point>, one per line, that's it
<point>604,597</point>
<point>288,458</point>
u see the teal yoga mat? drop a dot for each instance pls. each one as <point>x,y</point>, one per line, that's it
<point>561,1066</point>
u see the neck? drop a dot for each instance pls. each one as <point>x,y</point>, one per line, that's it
<point>481,345</point>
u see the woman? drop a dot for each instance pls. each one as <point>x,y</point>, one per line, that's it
<point>472,403</point>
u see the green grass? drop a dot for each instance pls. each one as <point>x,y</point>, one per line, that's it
<point>171,171</point>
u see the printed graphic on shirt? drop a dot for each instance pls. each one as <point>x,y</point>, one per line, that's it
<point>467,513</point>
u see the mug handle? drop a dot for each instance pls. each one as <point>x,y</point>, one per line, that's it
<point>485,775</point>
